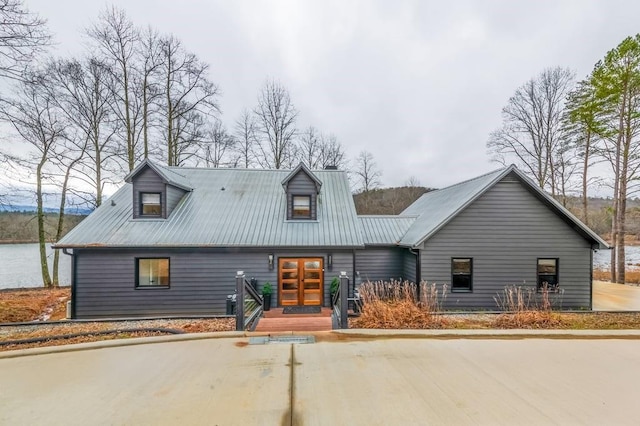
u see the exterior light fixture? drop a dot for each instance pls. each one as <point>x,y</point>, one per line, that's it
<point>270,260</point>
<point>330,261</point>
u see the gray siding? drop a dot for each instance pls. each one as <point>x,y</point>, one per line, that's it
<point>409,266</point>
<point>200,280</point>
<point>174,195</point>
<point>505,231</point>
<point>380,264</point>
<point>148,181</point>
<point>302,184</point>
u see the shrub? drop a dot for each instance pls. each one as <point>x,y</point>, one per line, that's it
<point>394,305</point>
<point>527,308</point>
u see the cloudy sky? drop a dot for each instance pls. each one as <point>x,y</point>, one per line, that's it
<point>420,84</point>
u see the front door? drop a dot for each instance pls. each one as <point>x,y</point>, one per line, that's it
<point>300,281</point>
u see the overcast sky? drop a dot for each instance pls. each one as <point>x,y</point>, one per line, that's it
<point>420,84</point>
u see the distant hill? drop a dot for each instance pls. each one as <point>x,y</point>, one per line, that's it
<point>19,208</point>
<point>387,200</point>
<point>22,227</point>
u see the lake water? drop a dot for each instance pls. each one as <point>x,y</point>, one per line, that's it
<point>20,266</point>
<point>602,258</point>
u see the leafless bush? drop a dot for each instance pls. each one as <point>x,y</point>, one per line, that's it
<point>526,307</point>
<point>395,305</point>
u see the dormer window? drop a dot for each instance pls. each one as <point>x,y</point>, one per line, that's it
<point>150,204</point>
<point>301,207</point>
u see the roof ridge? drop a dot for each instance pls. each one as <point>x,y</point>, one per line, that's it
<point>388,216</point>
<point>502,169</point>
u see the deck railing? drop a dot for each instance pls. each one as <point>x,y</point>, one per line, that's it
<point>340,302</point>
<point>248,303</point>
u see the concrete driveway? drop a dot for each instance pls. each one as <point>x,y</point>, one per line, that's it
<point>360,381</point>
<point>615,297</point>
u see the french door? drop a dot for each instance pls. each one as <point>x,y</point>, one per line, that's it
<point>300,281</point>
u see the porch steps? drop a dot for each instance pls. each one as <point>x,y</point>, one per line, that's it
<point>275,321</point>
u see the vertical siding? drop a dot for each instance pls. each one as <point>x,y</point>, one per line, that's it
<point>200,280</point>
<point>380,264</point>
<point>148,181</point>
<point>302,184</point>
<point>505,231</point>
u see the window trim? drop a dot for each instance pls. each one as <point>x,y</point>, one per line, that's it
<point>293,214</point>
<point>141,213</point>
<point>151,287</point>
<point>463,290</point>
<point>551,288</point>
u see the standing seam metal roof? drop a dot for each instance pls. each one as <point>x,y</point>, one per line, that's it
<point>227,208</point>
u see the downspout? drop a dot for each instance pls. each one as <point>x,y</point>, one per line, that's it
<point>353,273</point>
<point>73,281</point>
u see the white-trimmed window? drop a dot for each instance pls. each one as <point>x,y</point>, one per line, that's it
<point>150,204</point>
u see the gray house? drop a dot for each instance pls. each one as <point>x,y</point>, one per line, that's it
<point>170,241</point>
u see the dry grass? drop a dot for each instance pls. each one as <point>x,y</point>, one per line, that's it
<point>394,305</point>
<point>630,276</point>
<point>33,304</point>
<point>525,307</point>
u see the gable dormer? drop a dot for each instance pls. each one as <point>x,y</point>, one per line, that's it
<point>302,188</point>
<point>156,190</point>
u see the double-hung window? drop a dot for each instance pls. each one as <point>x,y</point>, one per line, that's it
<point>301,208</point>
<point>461,274</point>
<point>547,274</point>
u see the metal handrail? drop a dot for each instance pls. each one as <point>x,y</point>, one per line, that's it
<point>336,304</point>
<point>248,303</point>
<point>253,299</point>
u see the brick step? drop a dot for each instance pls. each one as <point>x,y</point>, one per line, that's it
<point>294,324</point>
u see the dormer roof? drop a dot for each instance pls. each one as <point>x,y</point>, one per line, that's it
<point>304,169</point>
<point>167,175</point>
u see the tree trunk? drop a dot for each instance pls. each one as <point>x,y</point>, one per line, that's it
<point>585,170</point>
<point>44,267</point>
<point>145,118</point>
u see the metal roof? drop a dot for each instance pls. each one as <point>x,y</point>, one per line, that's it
<point>436,208</point>
<point>227,208</point>
<point>247,208</point>
<point>384,230</point>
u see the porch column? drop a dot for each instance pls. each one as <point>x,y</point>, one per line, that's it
<point>240,301</point>
<point>344,300</point>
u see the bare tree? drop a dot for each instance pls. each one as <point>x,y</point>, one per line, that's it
<point>117,39</point>
<point>22,36</point>
<point>309,148</point>
<point>532,127</point>
<point>151,89</point>
<point>331,152</point>
<point>367,172</point>
<point>276,123</point>
<point>189,97</point>
<point>83,91</point>
<point>217,145</point>
<point>245,136</point>
<point>38,123</point>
